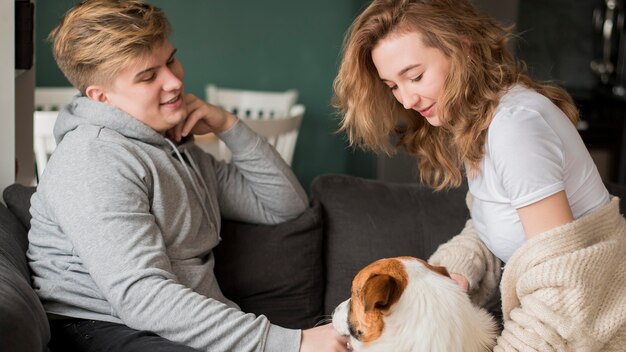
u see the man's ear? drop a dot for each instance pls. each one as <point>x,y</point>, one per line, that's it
<point>96,93</point>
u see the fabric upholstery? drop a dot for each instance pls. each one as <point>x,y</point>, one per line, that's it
<point>365,220</point>
<point>23,325</point>
<point>271,270</point>
<point>275,270</point>
<point>620,192</point>
<point>17,199</point>
<point>293,272</point>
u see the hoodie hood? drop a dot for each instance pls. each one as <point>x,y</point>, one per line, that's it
<point>85,111</point>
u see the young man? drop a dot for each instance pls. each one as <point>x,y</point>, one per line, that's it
<point>128,211</point>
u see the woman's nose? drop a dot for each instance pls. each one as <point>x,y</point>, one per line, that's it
<point>409,99</point>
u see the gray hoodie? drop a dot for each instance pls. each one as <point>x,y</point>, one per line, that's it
<point>124,223</point>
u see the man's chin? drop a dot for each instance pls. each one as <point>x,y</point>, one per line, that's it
<point>179,116</point>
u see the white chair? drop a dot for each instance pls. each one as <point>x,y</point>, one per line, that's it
<point>48,102</point>
<point>44,143</point>
<point>252,104</point>
<point>53,98</point>
<point>273,115</point>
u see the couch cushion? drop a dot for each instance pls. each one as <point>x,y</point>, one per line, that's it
<point>17,199</point>
<point>13,242</point>
<point>275,270</point>
<point>365,220</point>
<point>619,191</point>
<point>23,323</point>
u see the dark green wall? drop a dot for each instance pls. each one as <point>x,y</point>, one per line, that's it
<point>265,45</point>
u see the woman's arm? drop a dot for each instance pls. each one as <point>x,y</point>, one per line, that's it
<point>545,214</point>
<point>471,264</point>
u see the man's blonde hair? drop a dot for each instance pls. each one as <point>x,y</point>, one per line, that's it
<point>98,38</point>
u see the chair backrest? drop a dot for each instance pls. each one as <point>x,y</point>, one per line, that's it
<point>273,115</point>
<point>43,138</point>
<point>48,102</point>
<point>252,104</point>
<point>53,98</point>
<point>282,133</point>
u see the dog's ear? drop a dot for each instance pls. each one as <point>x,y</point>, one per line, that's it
<point>441,270</point>
<point>381,291</point>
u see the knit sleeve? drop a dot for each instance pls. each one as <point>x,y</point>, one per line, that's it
<point>467,255</point>
<point>524,331</point>
<point>564,289</point>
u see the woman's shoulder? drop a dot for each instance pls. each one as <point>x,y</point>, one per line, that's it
<point>517,119</point>
<point>524,109</point>
<point>519,98</point>
<point>522,122</point>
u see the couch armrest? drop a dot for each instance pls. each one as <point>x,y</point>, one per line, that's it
<point>365,220</point>
<point>23,322</point>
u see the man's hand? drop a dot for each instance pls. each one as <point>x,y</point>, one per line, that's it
<point>323,339</point>
<point>202,118</point>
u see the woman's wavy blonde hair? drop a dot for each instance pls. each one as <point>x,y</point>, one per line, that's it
<point>481,66</point>
<point>98,38</point>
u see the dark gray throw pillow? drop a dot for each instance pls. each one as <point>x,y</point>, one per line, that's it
<point>365,220</point>
<point>274,270</point>
<point>17,199</point>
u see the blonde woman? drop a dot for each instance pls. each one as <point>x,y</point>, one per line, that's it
<point>128,211</point>
<point>439,73</point>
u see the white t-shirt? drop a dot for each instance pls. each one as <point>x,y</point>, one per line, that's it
<point>532,151</point>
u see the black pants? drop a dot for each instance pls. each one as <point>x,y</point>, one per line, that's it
<point>78,335</point>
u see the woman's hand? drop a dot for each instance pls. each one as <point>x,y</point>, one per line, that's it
<point>202,118</point>
<point>323,339</point>
<point>460,280</point>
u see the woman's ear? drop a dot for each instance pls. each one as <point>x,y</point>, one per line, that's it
<point>96,93</point>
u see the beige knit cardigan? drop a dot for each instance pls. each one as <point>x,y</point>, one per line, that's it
<point>563,290</point>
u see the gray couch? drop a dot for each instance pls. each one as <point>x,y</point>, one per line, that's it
<point>295,273</point>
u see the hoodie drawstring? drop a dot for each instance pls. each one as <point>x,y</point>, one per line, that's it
<point>195,185</point>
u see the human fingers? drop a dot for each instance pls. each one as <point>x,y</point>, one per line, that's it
<point>200,118</point>
<point>176,132</point>
<point>204,118</point>
<point>460,280</point>
<point>323,339</point>
<point>341,341</point>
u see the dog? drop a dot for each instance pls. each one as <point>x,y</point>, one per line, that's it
<point>403,304</point>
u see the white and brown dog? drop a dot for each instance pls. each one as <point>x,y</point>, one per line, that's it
<point>404,304</point>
